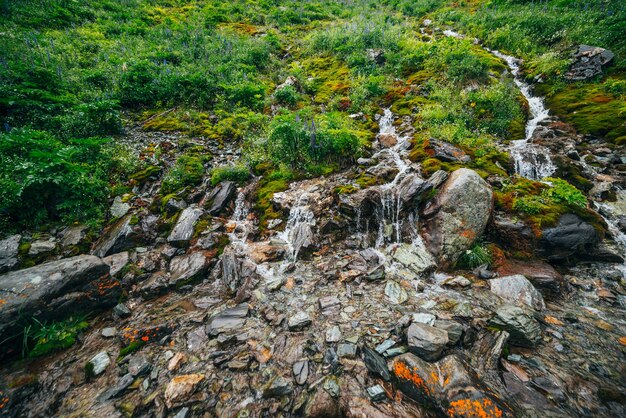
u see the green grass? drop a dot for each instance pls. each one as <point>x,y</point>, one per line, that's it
<point>43,338</point>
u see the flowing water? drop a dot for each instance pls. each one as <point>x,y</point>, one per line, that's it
<point>298,232</point>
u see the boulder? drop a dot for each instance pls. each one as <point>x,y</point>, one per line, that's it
<point>187,268</point>
<point>54,290</point>
<point>387,140</point>
<point>184,228</point>
<point>221,196</point>
<point>414,257</point>
<point>447,152</point>
<point>512,233</point>
<point>9,249</point>
<point>412,190</point>
<point>588,62</point>
<point>571,237</point>
<point>457,216</point>
<point>523,329</point>
<point>541,274</point>
<point>426,341</point>
<point>517,290</point>
<point>42,246</point>
<point>448,386</point>
<point>119,237</point>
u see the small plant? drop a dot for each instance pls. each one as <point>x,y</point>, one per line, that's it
<point>46,338</point>
<point>563,192</point>
<point>187,171</point>
<point>287,96</point>
<point>237,174</point>
<point>476,256</point>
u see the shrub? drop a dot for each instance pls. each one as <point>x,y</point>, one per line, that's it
<point>560,191</point>
<point>237,174</point>
<point>287,95</point>
<point>186,171</point>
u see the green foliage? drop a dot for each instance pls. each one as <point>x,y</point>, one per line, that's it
<point>287,96</point>
<point>42,338</point>
<point>476,256</point>
<point>186,171</point>
<point>561,191</point>
<point>237,174</point>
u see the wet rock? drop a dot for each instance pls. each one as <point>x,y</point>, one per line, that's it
<point>423,318</point>
<point>221,196</point>
<point>121,311</point>
<point>375,363</point>
<point>108,332</point>
<point>517,290</point>
<point>138,365</point>
<point>229,320</point>
<point>347,350</point>
<point>181,388</point>
<point>53,290</point>
<point>264,252</point>
<point>187,268</point>
<point>449,386</point>
<point>184,228</point>
<point>376,393</point>
<point>542,275</point>
<point>387,140</point>
<point>589,62</point>
<point>99,363</point>
<point>412,190</point>
<point>513,233</point>
<point>447,152</point>
<point>117,389</point>
<point>426,341</point>
<point>524,330</point>
<point>458,281</point>
<point>40,247</point>
<point>570,237</point>
<point>415,257</point>
<point>301,371</point>
<point>457,216</point>
<point>9,248</point>
<point>117,262</point>
<point>277,387</point>
<point>299,321</point>
<point>119,237</point>
<point>234,269</point>
<point>438,178</point>
<point>395,293</point>
<point>119,208</point>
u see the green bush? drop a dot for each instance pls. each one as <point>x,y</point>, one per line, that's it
<point>560,191</point>
<point>287,96</point>
<point>186,171</point>
<point>237,174</point>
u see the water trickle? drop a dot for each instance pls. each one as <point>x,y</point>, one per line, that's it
<point>298,232</point>
<point>608,212</point>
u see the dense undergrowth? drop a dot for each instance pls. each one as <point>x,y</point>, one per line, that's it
<point>73,73</point>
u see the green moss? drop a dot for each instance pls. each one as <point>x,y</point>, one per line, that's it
<point>89,367</point>
<point>346,189</point>
<point>146,173</point>
<point>187,171</point>
<point>366,180</point>
<point>133,347</point>
<point>165,123</point>
<point>200,227</point>
<point>238,174</point>
<point>134,220</point>
<point>264,195</point>
<point>24,248</point>
<point>330,77</point>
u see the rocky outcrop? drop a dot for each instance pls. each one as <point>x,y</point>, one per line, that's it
<point>447,152</point>
<point>8,252</point>
<point>571,237</point>
<point>184,228</point>
<point>56,289</point>
<point>220,197</point>
<point>541,274</point>
<point>457,216</point>
<point>517,290</point>
<point>119,237</point>
<point>523,329</point>
<point>589,61</point>
<point>187,268</point>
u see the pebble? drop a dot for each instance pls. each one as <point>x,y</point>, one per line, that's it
<point>299,321</point>
<point>333,334</point>
<point>108,332</point>
<point>347,350</point>
<point>376,393</point>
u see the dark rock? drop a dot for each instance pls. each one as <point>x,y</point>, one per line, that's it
<point>119,388</point>
<point>229,320</point>
<point>138,365</point>
<point>156,285</point>
<point>570,237</point>
<point>121,311</point>
<point>412,190</point>
<point>512,233</point>
<point>376,393</point>
<point>523,329</point>
<point>375,363</point>
<point>175,205</point>
<point>447,152</point>
<point>457,216</point>
<point>184,228</point>
<point>453,328</point>
<point>426,341</point>
<point>119,237</point>
<point>589,62</point>
<point>54,290</point>
<point>9,248</point>
<point>438,178</point>
<point>187,268</point>
<point>541,274</point>
<point>277,387</point>
<point>347,350</point>
<point>221,196</point>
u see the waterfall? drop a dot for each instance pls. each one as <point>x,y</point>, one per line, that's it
<point>298,232</point>
<point>608,213</point>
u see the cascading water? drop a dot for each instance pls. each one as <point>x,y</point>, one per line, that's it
<point>298,232</point>
<point>608,212</point>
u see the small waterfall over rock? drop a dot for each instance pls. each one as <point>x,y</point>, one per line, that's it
<point>608,211</point>
<point>298,232</point>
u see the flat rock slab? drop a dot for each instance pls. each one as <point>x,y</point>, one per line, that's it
<point>183,231</point>
<point>517,290</point>
<point>53,290</point>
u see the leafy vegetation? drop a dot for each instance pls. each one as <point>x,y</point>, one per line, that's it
<point>476,256</point>
<point>41,338</point>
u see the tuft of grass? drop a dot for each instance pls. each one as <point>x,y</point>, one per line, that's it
<point>476,256</point>
<point>42,338</point>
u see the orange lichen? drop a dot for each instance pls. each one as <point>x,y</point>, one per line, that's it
<point>402,371</point>
<point>481,408</point>
<point>622,340</point>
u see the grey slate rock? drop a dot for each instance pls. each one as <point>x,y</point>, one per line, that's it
<point>375,363</point>
<point>9,248</point>
<point>184,228</point>
<point>524,330</point>
<point>229,320</point>
<point>426,341</point>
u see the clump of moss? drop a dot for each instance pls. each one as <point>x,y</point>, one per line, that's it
<point>238,174</point>
<point>143,175</point>
<point>187,171</point>
<point>132,347</point>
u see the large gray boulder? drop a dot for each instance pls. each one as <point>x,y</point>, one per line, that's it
<point>184,228</point>
<point>522,327</point>
<point>187,268</point>
<point>9,249</point>
<point>221,196</point>
<point>571,237</point>
<point>119,237</point>
<point>457,216</point>
<point>518,290</point>
<point>54,290</point>
<point>426,341</point>
<point>588,62</point>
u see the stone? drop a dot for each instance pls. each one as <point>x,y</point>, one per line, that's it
<point>221,196</point>
<point>73,235</point>
<point>175,205</point>
<point>331,386</point>
<point>277,387</point>
<point>183,413</point>
<point>570,237</point>
<point>196,339</point>
<point>9,249</point>
<point>347,350</point>
<point>265,252</point>
<point>426,341</point>
<point>375,363</point>
<point>329,303</point>
<point>118,237</point>
<point>301,371</point>
<point>116,390</point>
<point>299,321</point>
<point>412,189</point>
<point>453,328</point>
<point>384,346</point>
<point>458,281</point>
<point>454,391</point>
<point>333,334</point>
<point>517,290</point>
<point>231,269</point>
<point>186,268</point>
<point>121,311</point>
<point>376,55</point>
<point>138,365</point>
<point>42,247</point>
<point>229,320</point>
<point>457,216</point>
<point>117,262</point>
<point>438,178</point>
<point>183,230</point>
<point>423,318</point>
<point>108,332</point>
<point>388,140</point>
<point>588,62</point>
<point>376,393</point>
<point>119,208</point>
<point>524,330</point>
<point>395,293</point>
<point>181,387</point>
<point>447,152</point>
<point>415,257</point>
<point>176,361</point>
<point>55,290</point>
<point>99,363</point>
